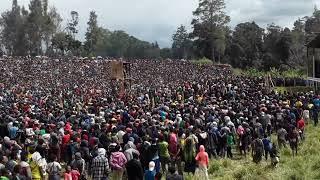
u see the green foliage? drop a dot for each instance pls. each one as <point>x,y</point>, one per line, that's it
<point>181,45</point>
<point>65,43</point>
<point>166,53</point>
<point>92,34</point>
<point>275,73</point>
<point>202,61</point>
<point>27,32</point>
<point>209,28</point>
<point>293,73</point>
<point>246,45</point>
<point>36,31</point>
<point>294,89</point>
<point>252,72</point>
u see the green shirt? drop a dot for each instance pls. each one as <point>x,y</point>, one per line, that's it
<point>163,149</point>
<point>3,178</point>
<point>230,140</point>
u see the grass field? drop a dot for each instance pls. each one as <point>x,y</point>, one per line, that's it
<point>305,166</point>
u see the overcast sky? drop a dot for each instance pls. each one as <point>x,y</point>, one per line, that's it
<point>156,20</point>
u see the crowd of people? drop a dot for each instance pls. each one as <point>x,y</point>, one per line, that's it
<point>60,119</point>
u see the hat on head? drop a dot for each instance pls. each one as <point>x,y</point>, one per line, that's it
<point>151,165</point>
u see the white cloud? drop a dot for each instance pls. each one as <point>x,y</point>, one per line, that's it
<point>153,20</point>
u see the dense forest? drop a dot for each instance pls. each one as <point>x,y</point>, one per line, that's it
<point>38,30</point>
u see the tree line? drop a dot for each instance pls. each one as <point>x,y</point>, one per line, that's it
<point>38,31</point>
<point>247,45</point>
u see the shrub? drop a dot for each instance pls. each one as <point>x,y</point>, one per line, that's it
<point>202,61</point>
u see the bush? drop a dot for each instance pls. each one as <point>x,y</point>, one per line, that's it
<point>202,61</point>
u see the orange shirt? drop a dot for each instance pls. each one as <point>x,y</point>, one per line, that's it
<point>202,157</point>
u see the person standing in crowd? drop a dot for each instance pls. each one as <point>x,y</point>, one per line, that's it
<point>150,173</point>
<point>202,159</point>
<point>100,166</point>
<point>75,174</point>
<point>173,175</point>
<point>257,150</point>
<point>315,111</point>
<point>67,174</point>
<point>300,126</point>
<point>293,137</point>
<point>282,135</point>
<point>230,143</point>
<point>163,153</point>
<point>79,164</point>
<point>25,167</point>
<point>189,154</point>
<point>53,168</point>
<point>134,168</point>
<point>117,163</point>
<point>274,155</point>
<point>38,166</point>
<point>266,146</point>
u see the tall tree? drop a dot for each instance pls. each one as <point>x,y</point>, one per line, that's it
<point>277,44</point>
<point>73,23</point>
<point>51,24</point>
<point>13,35</point>
<point>297,48</point>
<point>209,27</point>
<point>313,23</point>
<point>92,34</point>
<point>248,42</point>
<point>34,26</point>
<point>181,43</point>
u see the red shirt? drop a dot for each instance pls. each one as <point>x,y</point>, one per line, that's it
<point>75,174</point>
<point>301,124</point>
<point>66,139</point>
<point>67,176</point>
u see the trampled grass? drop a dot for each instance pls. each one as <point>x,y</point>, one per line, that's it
<point>304,166</point>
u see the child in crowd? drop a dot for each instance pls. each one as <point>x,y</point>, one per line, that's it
<point>67,174</point>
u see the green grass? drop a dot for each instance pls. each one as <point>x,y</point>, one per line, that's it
<point>293,89</point>
<point>305,166</point>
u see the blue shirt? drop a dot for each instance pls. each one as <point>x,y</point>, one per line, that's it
<point>316,102</point>
<point>266,143</point>
<point>13,132</point>
<point>149,175</point>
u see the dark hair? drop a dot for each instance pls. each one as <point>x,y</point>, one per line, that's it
<point>135,155</point>
<point>172,169</point>
<point>117,148</point>
<point>52,157</point>
<point>24,156</point>
<point>17,169</point>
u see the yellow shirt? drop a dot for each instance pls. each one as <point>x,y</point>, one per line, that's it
<point>35,170</point>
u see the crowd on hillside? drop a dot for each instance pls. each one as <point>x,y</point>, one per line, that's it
<point>60,120</point>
